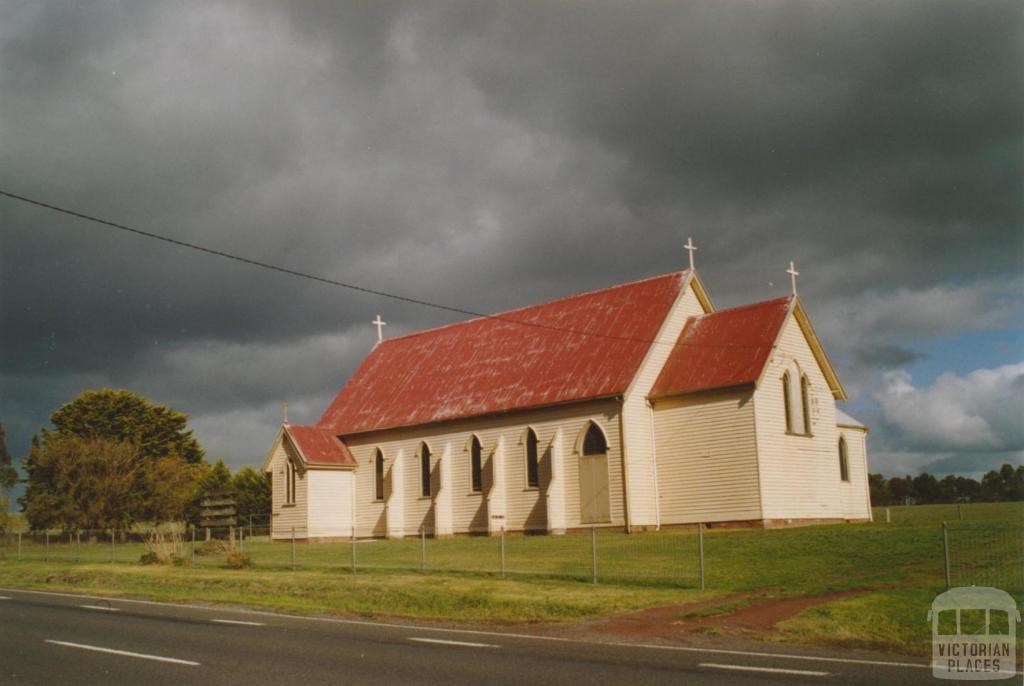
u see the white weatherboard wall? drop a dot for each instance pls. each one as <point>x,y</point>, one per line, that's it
<point>855,494</point>
<point>707,458</point>
<point>636,414</point>
<point>288,517</point>
<point>525,508</point>
<point>330,503</point>
<point>799,473</point>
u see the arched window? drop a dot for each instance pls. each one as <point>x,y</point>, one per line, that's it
<point>844,460</point>
<point>594,442</point>
<point>476,470</point>
<point>289,482</point>
<point>378,475</point>
<point>424,471</point>
<point>786,404</point>
<point>532,467</point>
<point>805,403</point>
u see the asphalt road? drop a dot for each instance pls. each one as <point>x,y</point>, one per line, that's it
<point>66,639</point>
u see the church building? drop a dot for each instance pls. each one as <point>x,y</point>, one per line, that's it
<point>635,407</point>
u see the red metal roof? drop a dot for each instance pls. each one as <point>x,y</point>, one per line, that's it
<point>495,364</point>
<point>722,349</point>
<point>319,446</point>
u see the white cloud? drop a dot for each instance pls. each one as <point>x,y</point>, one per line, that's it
<point>979,412</point>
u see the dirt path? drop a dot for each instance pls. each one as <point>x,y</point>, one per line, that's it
<point>756,616</point>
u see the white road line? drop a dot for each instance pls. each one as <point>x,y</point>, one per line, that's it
<point>237,621</point>
<point>464,644</point>
<point>4,597</point>
<point>125,653</point>
<point>496,634</point>
<point>102,608</point>
<point>770,670</point>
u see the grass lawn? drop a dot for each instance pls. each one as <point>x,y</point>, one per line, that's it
<point>887,575</point>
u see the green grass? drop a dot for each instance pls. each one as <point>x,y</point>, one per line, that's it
<point>919,514</point>
<point>899,568</point>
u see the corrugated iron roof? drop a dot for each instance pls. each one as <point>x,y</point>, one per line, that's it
<point>722,349</point>
<point>496,364</point>
<point>843,419</point>
<point>319,447</point>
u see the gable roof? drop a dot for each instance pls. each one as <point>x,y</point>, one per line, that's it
<point>319,447</point>
<point>516,360</point>
<point>732,347</point>
<point>722,349</point>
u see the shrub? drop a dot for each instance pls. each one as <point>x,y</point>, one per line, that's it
<point>236,559</point>
<point>213,547</point>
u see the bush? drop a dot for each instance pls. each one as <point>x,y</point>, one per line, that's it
<point>236,559</point>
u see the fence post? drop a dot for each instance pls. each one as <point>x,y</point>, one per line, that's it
<point>959,512</point>
<point>502,552</point>
<point>593,553</point>
<point>945,550</point>
<point>423,548</point>
<point>293,548</point>
<point>353,548</point>
<point>888,517</point>
<point>46,555</point>
<point>19,546</point>
<point>113,548</point>
<point>700,543</point>
<point>250,527</point>
<point>193,545</point>
<point>78,546</point>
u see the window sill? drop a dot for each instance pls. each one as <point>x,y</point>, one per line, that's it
<point>425,497</point>
<point>799,434</point>
<point>288,505</point>
<point>379,500</point>
<point>531,488</point>
<point>474,493</point>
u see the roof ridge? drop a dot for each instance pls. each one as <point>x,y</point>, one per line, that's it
<point>762,303</point>
<point>504,313</point>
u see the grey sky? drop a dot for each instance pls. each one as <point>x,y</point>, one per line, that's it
<point>489,155</point>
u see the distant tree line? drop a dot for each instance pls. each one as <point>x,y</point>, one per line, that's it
<point>999,485</point>
<point>114,459</point>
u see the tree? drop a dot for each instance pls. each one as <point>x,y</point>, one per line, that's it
<point>214,481</point>
<point>123,416</point>
<point>81,483</point>
<point>252,494</point>
<point>879,492</point>
<point>8,477</point>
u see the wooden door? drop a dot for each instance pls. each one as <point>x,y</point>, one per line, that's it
<point>595,505</point>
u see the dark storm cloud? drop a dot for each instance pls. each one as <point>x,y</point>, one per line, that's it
<point>485,155</point>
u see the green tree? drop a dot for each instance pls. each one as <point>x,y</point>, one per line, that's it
<point>252,494</point>
<point>118,415</point>
<point>214,481</point>
<point>81,483</point>
<point>8,477</point>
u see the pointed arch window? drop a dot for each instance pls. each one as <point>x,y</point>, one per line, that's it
<point>289,482</point>
<point>424,471</point>
<point>844,460</point>
<point>805,403</point>
<point>594,442</point>
<point>786,403</point>
<point>378,475</point>
<point>532,462</point>
<point>476,469</point>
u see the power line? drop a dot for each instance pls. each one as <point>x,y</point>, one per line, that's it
<point>333,282</point>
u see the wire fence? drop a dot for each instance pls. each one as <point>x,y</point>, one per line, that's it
<point>598,555</point>
<point>984,554</point>
<point>981,553</point>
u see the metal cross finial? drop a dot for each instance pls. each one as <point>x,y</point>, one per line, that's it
<point>691,248</point>
<point>793,273</point>
<point>380,328</point>
<point>285,411</point>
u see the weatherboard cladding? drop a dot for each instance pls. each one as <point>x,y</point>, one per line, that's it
<point>526,358</point>
<point>722,349</point>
